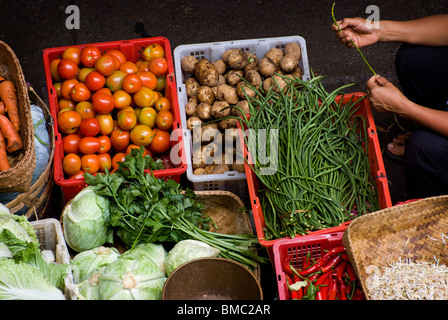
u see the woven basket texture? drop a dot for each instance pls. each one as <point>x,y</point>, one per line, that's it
<point>404,231</point>
<point>22,162</point>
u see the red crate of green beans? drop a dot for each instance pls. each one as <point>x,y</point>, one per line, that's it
<point>315,267</point>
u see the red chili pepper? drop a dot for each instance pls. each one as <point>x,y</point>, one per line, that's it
<point>358,295</point>
<point>294,295</point>
<point>333,289</point>
<point>335,250</point>
<point>295,278</point>
<point>340,269</point>
<point>322,286</point>
<point>306,261</point>
<point>288,279</point>
<point>351,273</point>
<point>332,264</point>
<point>286,265</point>
<point>345,257</point>
<point>316,266</point>
<point>320,295</point>
<point>342,291</point>
<point>300,293</point>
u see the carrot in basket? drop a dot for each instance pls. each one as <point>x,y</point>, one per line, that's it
<point>2,108</point>
<point>9,98</point>
<point>14,142</point>
<point>4,163</point>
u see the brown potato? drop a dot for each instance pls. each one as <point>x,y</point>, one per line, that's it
<point>200,171</point>
<point>187,64</point>
<point>266,67</point>
<point>298,72</point>
<point>220,66</point>
<point>233,77</point>
<point>220,169</point>
<point>220,109</point>
<point>288,63</point>
<point>227,124</point>
<point>204,110</point>
<point>206,73</point>
<point>236,59</point>
<point>243,91</point>
<point>192,86</point>
<point>243,105</point>
<point>192,122</point>
<point>190,108</point>
<point>275,54</point>
<point>227,93</point>
<point>254,78</point>
<point>294,49</point>
<point>206,94</point>
<point>279,83</point>
<point>239,167</point>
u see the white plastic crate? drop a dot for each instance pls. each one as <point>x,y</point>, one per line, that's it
<point>50,236</point>
<point>232,181</point>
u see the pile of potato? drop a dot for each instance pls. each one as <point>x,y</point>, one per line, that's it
<point>215,86</point>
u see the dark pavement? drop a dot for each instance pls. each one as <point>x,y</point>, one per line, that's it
<point>29,27</point>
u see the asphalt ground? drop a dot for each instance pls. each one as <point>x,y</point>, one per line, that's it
<point>29,27</point>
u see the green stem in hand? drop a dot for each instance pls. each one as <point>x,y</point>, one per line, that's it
<point>336,23</point>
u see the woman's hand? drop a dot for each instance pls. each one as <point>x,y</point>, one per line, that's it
<point>384,96</point>
<point>355,29</point>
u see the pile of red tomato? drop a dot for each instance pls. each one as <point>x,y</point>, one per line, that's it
<point>109,105</point>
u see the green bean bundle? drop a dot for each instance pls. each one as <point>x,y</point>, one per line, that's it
<point>322,176</point>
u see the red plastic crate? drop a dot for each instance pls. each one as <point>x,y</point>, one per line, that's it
<point>377,170</point>
<point>132,49</point>
<point>298,248</point>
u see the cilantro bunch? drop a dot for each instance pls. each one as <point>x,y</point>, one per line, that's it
<point>146,209</point>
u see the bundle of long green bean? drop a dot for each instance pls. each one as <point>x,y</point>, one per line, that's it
<point>322,177</point>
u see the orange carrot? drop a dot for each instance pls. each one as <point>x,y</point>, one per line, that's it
<point>9,98</point>
<point>14,142</point>
<point>2,108</point>
<point>4,163</point>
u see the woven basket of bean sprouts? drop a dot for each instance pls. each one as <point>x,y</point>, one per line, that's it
<point>400,253</point>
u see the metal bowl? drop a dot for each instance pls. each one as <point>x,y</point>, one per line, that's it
<point>212,279</point>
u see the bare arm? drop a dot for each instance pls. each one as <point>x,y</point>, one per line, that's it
<point>430,31</point>
<point>385,97</point>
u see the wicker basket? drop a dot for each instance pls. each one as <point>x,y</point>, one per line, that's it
<point>22,162</point>
<point>36,199</point>
<point>225,209</point>
<point>405,231</point>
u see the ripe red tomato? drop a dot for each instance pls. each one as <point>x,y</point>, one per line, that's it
<point>102,102</point>
<point>106,123</point>
<point>71,164</point>
<point>162,104</point>
<point>115,81</point>
<point>66,88</point>
<point>128,67</point>
<point>122,99</point>
<point>67,69</point>
<point>72,53</point>
<point>90,127</point>
<point>57,88</point>
<point>69,121</point>
<point>89,145</point>
<point>127,120</point>
<point>160,142</point>
<point>66,104</point>
<point>158,66</point>
<point>95,80</point>
<point>148,78</point>
<point>120,139</point>
<point>153,51</point>
<point>134,146</point>
<point>105,161</point>
<point>83,72</point>
<point>141,135</point>
<point>77,175</point>
<point>118,157</point>
<point>85,109</point>
<point>90,163</point>
<point>89,55</point>
<point>80,92</point>
<point>164,120</point>
<point>117,54</point>
<point>132,83</point>
<point>105,144</point>
<point>144,97</point>
<point>106,64</point>
<point>54,70</point>
<point>143,66</point>
<point>70,143</point>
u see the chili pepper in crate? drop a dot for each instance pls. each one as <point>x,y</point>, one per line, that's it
<point>287,265</point>
<point>332,264</point>
<point>351,272</point>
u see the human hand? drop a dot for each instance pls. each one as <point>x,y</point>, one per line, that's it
<point>355,29</point>
<point>384,96</point>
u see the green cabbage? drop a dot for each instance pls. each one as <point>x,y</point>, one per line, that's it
<point>16,227</point>
<point>155,252</point>
<point>88,288</point>
<point>131,279</point>
<point>4,251</point>
<point>85,221</point>
<point>89,261</point>
<point>187,250</point>
<point>22,281</point>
